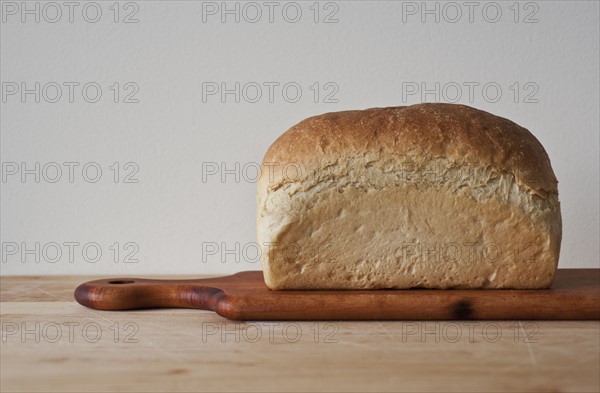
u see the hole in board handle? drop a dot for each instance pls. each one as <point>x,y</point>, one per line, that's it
<point>121,282</point>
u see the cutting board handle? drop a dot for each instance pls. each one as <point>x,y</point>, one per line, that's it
<point>139,293</point>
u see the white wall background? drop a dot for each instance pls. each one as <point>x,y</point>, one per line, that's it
<point>371,53</point>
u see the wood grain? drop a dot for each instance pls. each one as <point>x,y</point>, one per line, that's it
<point>575,295</point>
<point>172,352</point>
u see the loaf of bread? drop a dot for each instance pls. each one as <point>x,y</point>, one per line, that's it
<point>423,196</point>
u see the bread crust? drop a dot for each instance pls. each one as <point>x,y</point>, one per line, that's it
<point>430,161</point>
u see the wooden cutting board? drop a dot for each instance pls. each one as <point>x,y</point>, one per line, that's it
<point>575,294</point>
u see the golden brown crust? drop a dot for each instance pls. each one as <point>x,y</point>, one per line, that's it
<point>428,131</point>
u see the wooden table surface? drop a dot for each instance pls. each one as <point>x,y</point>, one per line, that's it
<point>51,343</point>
